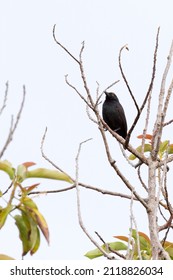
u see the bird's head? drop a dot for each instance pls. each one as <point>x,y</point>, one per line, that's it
<point>111,96</point>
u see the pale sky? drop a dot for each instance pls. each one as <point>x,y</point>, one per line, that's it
<point>29,55</point>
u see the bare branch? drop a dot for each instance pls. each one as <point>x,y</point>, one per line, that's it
<point>89,115</point>
<point>112,162</point>
<point>167,225</point>
<point>157,132</point>
<point>5,98</point>
<point>86,186</point>
<point>126,157</point>
<point>11,184</point>
<point>124,77</point>
<point>108,87</point>
<point>122,141</point>
<point>13,125</point>
<point>168,98</point>
<point>64,48</point>
<point>167,123</point>
<point>50,161</point>
<point>74,185</point>
<point>140,178</point>
<point>84,77</point>
<point>109,248</point>
<point>133,221</point>
<point>75,89</point>
<point>148,92</point>
<point>79,208</point>
<point>146,122</point>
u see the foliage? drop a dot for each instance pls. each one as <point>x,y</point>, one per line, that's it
<point>28,218</point>
<point>145,246</point>
<point>164,148</point>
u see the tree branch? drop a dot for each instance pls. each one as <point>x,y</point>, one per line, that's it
<point>5,98</point>
<point>158,127</point>
<point>64,48</point>
<point>124,77</point>
<point>79,208</point>
<point>13,125</point>
<point>148,92</point>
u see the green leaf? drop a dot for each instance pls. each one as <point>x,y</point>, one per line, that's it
<point>144,241</point>
<point>29,207</point>
<point>170,149</point>
<point>40,221</point>
<point>4,213</point>
<point>23,228</point>
<point>147,148</point>
<point>6,166</point>
<point>28,232</point>
<point>28,202</point>
<point>116,246</point>
<point>37,243</point>
<point>48,174</point>
<point>163,147</point>
<point>21,173</point>
<point>168,246</point>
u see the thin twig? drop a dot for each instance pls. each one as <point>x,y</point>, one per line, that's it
<point>109,248</point>
<point>64,48</point>
<point>168,98</point>
<point>79,207</point>
<point>8,188</point>
<point>158,126</point>
<point>50,161</point>
<point>89,115</point>
<point>122,141</point>
<point>140,178</point>
<point>13,125</point>
<point>148,92</point>
<point>75,89</point>
<point>146,122</point>
<point>126,157</point>
<point>103,92</point>
<point>124,77</point>
<point>112,161</point>
<point>86,186</point>
<point>5,98</point>
<point>82,72</point>
<point>168,224</point>
<point>167,123</point>
<point>136,228</point>
<point>165,237</point>
<point>131,243</point>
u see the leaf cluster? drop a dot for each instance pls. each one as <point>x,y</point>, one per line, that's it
<point>29,220</point>
<point>144,246</point>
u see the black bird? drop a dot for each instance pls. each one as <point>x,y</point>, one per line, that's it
<point>113,114</point>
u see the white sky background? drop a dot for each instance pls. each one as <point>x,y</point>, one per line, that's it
<point>29,55</point>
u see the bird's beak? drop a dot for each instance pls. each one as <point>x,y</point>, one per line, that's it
<point>105,92</point>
